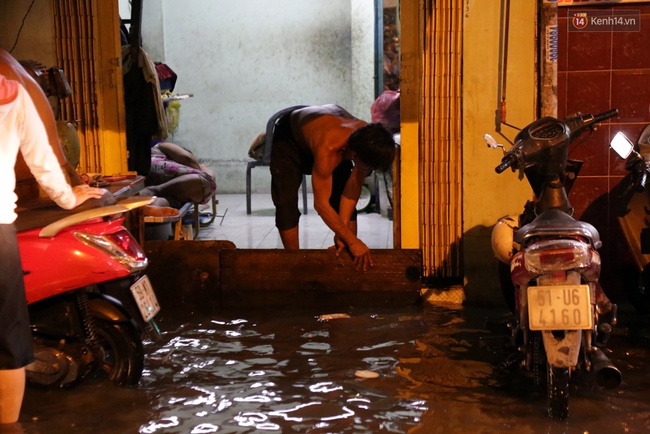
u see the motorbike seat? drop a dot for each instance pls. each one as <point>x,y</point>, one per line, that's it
<point>554,222</point>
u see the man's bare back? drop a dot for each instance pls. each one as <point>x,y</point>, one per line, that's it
<point>324,128</point>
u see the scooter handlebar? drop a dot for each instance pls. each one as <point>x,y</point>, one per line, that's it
<point>577,125</point>
<point>506,162</point>
<point>606,115</point>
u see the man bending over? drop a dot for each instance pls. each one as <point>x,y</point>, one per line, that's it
<point>339,151</point>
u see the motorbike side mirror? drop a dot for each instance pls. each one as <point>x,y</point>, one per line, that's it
<point>492,143</point>
<point>621,145</point>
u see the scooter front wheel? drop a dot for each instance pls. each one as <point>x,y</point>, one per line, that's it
<point>120,356</point>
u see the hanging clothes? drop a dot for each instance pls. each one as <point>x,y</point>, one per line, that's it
<point>145,114</point>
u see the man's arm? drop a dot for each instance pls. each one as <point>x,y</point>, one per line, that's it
<point>179,155</point>
<point>322,187</point>
<point>351,194</point>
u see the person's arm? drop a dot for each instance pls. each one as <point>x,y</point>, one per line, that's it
<point>43,163</point>
<point>179,155</point>
<point>13,70</point>
<point>322,188</point>
<point>351,193</point>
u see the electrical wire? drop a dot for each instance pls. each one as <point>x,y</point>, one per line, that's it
<point>21,27</point>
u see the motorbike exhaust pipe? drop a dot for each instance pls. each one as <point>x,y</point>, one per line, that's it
<point>607,375</point>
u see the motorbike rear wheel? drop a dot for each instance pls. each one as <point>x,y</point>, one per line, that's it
<point>558,392</point>
<point>120,357</point>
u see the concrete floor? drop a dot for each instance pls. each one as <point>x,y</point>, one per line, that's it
<point>258,231</point>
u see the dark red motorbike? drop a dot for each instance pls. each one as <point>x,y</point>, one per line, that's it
<point>633,213</point>
<point>562,317</point>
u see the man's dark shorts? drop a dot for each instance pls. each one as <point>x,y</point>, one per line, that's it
<point>289,162</point>
<point>15,336</point>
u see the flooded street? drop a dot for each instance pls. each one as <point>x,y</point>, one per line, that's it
<point>419,369</point>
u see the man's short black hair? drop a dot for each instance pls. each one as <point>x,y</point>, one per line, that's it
<point>374,145</point>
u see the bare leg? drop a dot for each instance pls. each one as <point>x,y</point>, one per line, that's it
<point>185,188</point>
<point>12,389</point>
<point>290,239</point>
<point>159,207</point>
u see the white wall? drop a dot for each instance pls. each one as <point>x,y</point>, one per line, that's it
<point>245,60</point>
<point>363,57</point>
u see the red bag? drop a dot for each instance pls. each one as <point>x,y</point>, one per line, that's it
<point>386,109</point>
<point>166,77</point>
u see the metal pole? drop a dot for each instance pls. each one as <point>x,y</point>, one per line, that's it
<point>548,40</point>
<point>379,47</point>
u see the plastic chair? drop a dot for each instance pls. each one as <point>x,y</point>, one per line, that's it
<point>266,159</point>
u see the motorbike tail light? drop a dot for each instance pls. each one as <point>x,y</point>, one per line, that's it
<point>559,256</point>
<point>550,255</point>
<point>120,245</point>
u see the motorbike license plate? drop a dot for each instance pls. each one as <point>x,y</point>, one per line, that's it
<point>145,298</point>
<point>562,307</point>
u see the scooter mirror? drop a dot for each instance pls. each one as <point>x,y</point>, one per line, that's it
<point>621,145</point>
<point>491,142</point>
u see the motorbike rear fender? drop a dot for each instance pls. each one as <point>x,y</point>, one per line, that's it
<point>565,352</point>
<point>562,353</point>
<point>113,310</point>
<point>108,308</point>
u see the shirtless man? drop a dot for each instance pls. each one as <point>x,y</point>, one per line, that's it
<point>339,151</point>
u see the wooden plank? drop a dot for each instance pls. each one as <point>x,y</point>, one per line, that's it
<point>208,274</point>
<point>186,272</point>
<point>319,270</point>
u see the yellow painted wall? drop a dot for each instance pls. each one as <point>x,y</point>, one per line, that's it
<point>410,51</point>
<point>486,195</point>
<point>110,90</point>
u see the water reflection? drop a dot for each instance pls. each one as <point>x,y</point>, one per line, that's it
<point>288,371</point>
<point>416,370</point>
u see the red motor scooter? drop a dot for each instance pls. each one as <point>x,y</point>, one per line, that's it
<point>90,303</point>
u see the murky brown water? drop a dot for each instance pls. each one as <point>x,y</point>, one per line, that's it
<point>288,371</point>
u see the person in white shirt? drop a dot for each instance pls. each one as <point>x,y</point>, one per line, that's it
<point>26,185</point>
<point>21,130</point>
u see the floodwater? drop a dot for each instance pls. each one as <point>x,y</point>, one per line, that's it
<point>418,369</point>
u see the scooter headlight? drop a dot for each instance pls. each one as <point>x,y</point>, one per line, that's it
<point>119,245</point>
<point>556,255</point>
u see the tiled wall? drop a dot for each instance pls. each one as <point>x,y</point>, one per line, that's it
<point>598,71</point>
